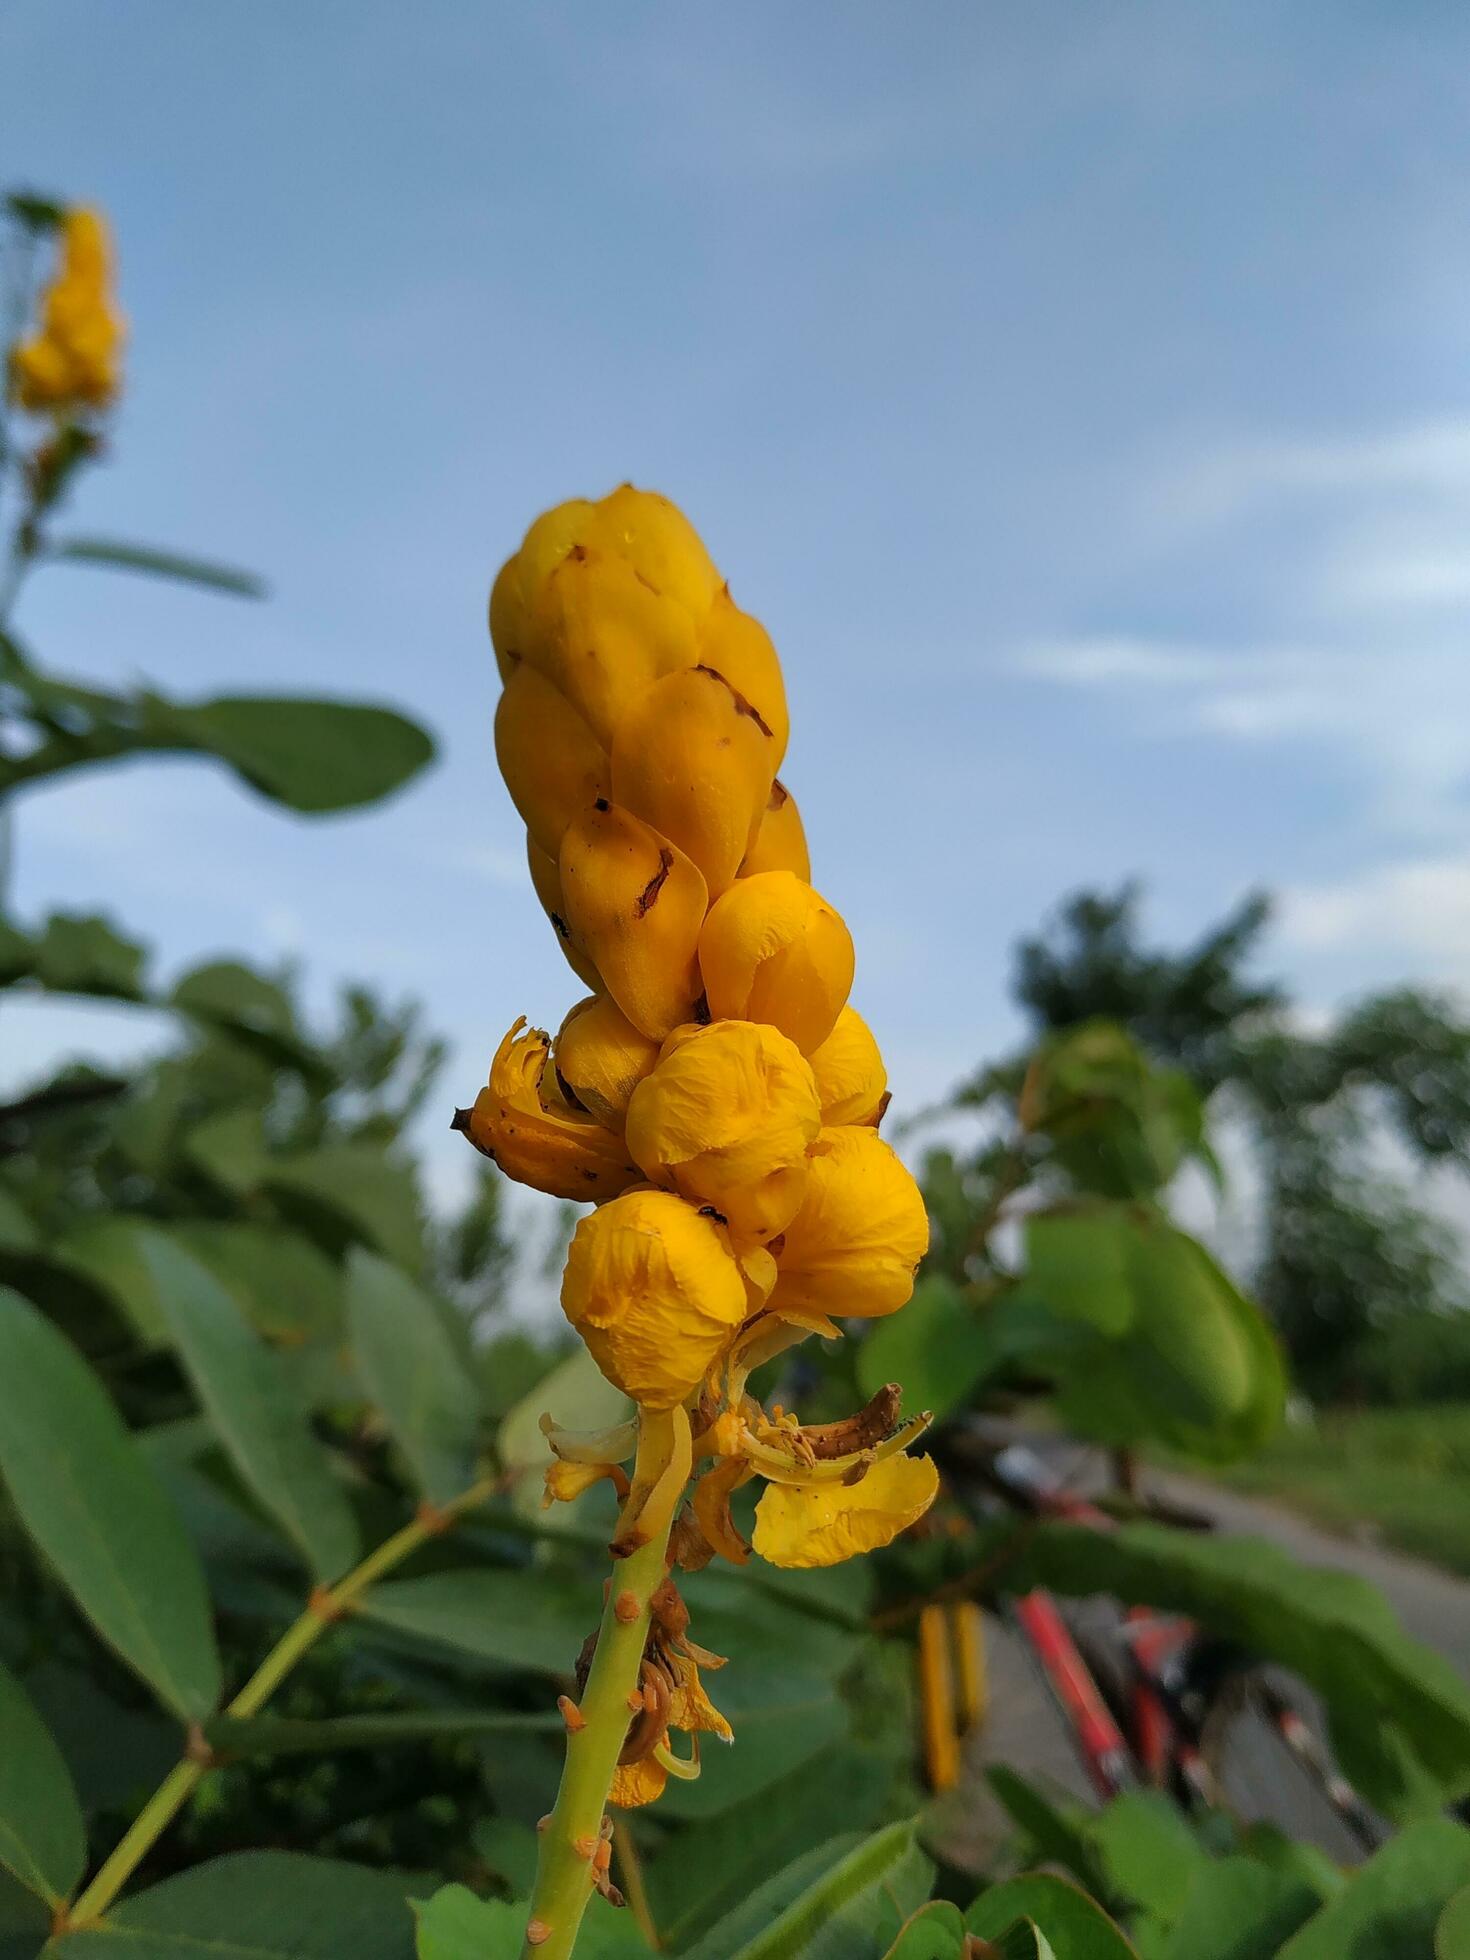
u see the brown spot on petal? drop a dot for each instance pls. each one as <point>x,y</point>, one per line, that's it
<point>655,884</point>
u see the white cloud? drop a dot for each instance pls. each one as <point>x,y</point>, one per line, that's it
<point>1420,906</point>
<point>1427,459</point>
<point>1118,660</point>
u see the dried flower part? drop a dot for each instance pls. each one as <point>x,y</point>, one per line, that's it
<point>636,1784</point>
<point>72,361</point>
<point>851,1079</point>
<point>694,758</point>
<point>853,1247</point>
<point>727,1117</point>
<point>774,950</point>
<point>552,763</point>
<point>780,842</point>
<point>601,1058</point>
<point>636,903</point>
<point>809,1525</point>
<point>654,1289</point>
<point>551,1150</point>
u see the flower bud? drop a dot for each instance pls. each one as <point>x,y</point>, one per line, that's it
<point>851,1079</point>
<point>694,760</point>
<point>660,544</point>
<point>653,1288</point>
<point>853,1247</point>
<point>601,1058</point>
<point>546,881</point>
<point>739,649</point>
<point>549,757</point>
<point>727,1118</point>
<point>780,842</point>
<point>773,950</point>
<point>549,1149</point>
<point>636,903</point>
<point>602,635</point>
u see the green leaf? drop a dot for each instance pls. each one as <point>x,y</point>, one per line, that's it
<point>313,756</point>
<point>1076,1926</point>
<point>1148,1852</point>
<point>224,995</point>
<point>17,1233</point>
<point>77,953</point>
<point>89,1500</point>
<point>1235,1909</point>
<point>1452,1932</point>
<point>1154,1339</point>
<point>1023,1940</point>
<point>413,1373</point>
<point>110,1250</point>
<point>781,1721</point>
<point>935,1932</point>
<point>230,1149</point>
<point>281,1735</point>
<point>937,1348</point>
<point>159,564</point>
<point>356,1194</point>
<point>290,1292</point>
<point>511,1618</point>
<point>38,214</point>
<point>264,1433</point>
<point>255,1905</point>
<point>855,1909</point>
<point>1399,1714</point>
<point>1389,1908</point>
<point>1057,1828</point>
<point>1119,1125</point>
<point>455,1925</point>
<point>770,1898</point>
<point>42,1840</point>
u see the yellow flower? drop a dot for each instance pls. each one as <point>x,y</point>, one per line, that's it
<point>549,757</point>
<point>727,1118</point>
<point>655,1291</point>
<point>861,1231</point>
<point>660,544</point>
<point>603,635</point>
<point>739,649</point>
<point>551,1150</point>
<point>852,1082</point>
<point>695,760</point>
<point>546,883</point>
<point>636,903</point>
<point>72,362</point>
<point>822,1524</point>
<point>780,843</point>
<point>773,950</point>
<point>601,1058</point>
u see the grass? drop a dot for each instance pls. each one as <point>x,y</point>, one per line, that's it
<point>1405,1473</point>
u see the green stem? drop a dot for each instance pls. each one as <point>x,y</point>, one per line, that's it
<point>564,1875</point>
<point>327,1604</point>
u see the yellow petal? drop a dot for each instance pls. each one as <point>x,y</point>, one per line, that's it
<point>636,903</point>
<point>602,635</point>
<point>780,843</point>
<point>691,1709</point>
<point>851,1079</point>
<point>692,758</point>
<point>552,763</point>
<point>727,1117</point>
<point>567,1481</point>
<point>739,649</point>
<point>660,544</point>
<point>805,1526</point>
<point>546,882</point>
<point>654,1289</point>
<point>637,1783</point>
<point>549,1150</point>
<point>774,950</point>
<point>862,1229</point>
<point>601,1058</point>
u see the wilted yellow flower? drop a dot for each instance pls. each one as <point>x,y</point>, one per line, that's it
<point>860,1233</point>
<point>636,903</point>
<point>655,1291</point>
<point>549,757</point>
<point>851,1079</point>
<point>72,361</point>
<point>551,1150</point>
<point>822,1524</point>
<point>601,1058</point>
<point>692,758</point>
<point>635,1784</point>
<point>774,950</point>
<point>780,843</point>
<point>727,1118</point>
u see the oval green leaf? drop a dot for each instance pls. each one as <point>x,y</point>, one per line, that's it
<point>414,1374</point>
<point>42,1840</point>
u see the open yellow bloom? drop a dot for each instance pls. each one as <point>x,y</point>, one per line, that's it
<point>72,362</point>
<point>655,1290</point>
<point>727,1118</point>
<point>860,1233</point>
<point>774,950</point>
<point>552,1149</point>
<point>601,1058</point>
<point>822,1524</point>
<point>852,1082</point>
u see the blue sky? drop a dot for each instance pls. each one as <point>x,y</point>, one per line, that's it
<point>1081,396</point>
